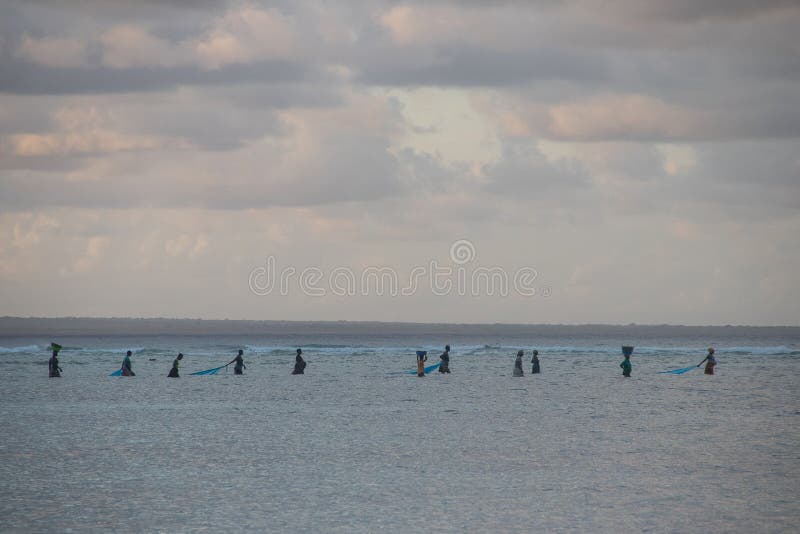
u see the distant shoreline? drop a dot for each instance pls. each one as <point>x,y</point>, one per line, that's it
<point>94,326</point>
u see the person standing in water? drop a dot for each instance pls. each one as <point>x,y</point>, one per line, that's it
<point>127,370</point>
<point>299,364</point>
<point>710,360</point>
<point>237,369</point>
<point>52,365</point>
<point>626,366</point>
<point>535,363</point>
<point>518,364</point>
<point>445,357</point>
<point>422,357</point>
<point>176,363</point>
<point>627,350</point>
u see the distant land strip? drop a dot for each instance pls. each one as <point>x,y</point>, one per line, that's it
<point>119,326</point>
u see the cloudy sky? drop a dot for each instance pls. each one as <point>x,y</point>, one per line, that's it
<point>638,160</point>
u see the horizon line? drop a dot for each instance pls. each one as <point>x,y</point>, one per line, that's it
<point>360,321</point>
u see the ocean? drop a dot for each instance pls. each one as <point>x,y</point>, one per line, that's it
<point>358,445</point>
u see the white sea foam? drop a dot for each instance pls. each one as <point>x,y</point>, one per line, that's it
<point>22,349</point>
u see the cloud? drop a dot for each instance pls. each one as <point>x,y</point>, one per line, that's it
<point>503,26</point>
<point>125,47</point>
<point>524,172</point>
<point>245,44</point>
<point>615,47</point>
<point>188,245</point>
<point>153,140</point>
<point>242,35</point>
<point>615,117</point>
<point>603,117</point>
<point>53,51</point>
<point>426,25</point>
<point>682,11</point>
<point>249,34</point>
<point>92,254</point>
<point>319,156</point>
<point>27,231</point>
<point>465,65</point>
<point>748,180</point>
<point>82,131</point>
<point>191,118</point>
<point>31,79</point>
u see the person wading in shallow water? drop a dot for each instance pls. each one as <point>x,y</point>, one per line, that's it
<point>422,357</point>
<point>627,350</point>
<point>127,370</point>
<point>299,364</point>
<point>237,369</point>
<point>518,364</point>
<point>710,360</point>
<point>626,366</point>
<point>176,363</point>
<point>535,363</point>
<point>445,357</point>
<point>52,365</point>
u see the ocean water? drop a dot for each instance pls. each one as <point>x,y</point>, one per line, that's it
<point>356,445</point>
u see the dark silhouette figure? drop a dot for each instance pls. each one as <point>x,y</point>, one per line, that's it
<point>445,357</point>
<point>52,364</point>
<point>127,370</point>
<point>627,350</point>
<point>173,373</point>
<point>518,364</point>
<point>626,366</point>
<point>237,369</point>
<point>535,363</point>
<point>299,364</point>
<point>710,360</point>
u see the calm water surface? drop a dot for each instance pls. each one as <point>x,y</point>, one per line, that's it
<point>356,445</point>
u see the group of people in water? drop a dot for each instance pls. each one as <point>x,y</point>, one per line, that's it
<point>534,364</point>
<point>174,371</point>
<point>444,365</point>
<point>709,360</point>
<point>127,367</point>
<point>422,357</point>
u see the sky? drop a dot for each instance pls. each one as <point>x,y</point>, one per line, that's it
<point>546,161</point>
